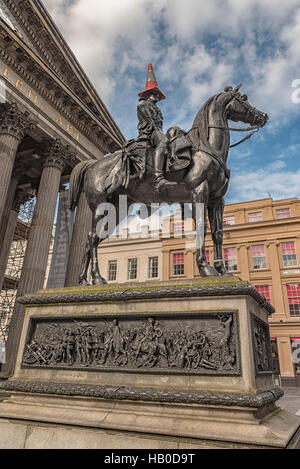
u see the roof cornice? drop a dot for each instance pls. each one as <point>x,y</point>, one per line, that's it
<point>58,68</point>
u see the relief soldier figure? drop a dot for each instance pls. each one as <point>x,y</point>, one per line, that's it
<point>151,334</point>
<point>79,347</point>
<point>225,355</point>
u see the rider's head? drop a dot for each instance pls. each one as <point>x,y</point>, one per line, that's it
<point>152,96</point>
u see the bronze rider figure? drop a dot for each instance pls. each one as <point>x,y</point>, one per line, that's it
<point>150,127</point>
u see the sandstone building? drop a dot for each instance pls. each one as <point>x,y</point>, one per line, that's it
<point>261,245</point>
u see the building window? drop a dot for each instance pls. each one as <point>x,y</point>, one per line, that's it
<point>132,269</point>
<point>295,346</point>
<point>252,217</point>
<point>293,294</point>
<point>283,213</point>
<point>112,270</point>
<point>259,257</point>
<point>178,263</point>
<point>153,267</point>
<point>289,257</point>
<point>230,259</point>
<point>229,220</point>
<point>207,256</point>
<point>264,290</point>
<point>178,227</point>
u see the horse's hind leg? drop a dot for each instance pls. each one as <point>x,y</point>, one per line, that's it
<point>97,278</point>
<point>215,214</point>
<point>199,209</point>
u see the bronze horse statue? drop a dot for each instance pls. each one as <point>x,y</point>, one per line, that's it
<point>204,181</point>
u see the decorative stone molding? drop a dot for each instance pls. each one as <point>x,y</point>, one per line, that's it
<point>15,122</point>
<point>146,293</point>
<point>257,400</point>
<point>50,50</point>
<point>55,153</point>
<point>34,75</point>
<point>244,245</point>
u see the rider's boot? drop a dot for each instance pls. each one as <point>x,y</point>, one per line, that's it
<point>160,182</point>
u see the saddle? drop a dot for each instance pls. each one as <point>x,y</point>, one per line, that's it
<point>180,149</point>
<point>136,152</point>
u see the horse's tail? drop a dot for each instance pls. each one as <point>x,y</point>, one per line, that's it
<point>76,180</point>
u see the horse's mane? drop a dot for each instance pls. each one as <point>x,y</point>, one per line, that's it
<point>199,133</point>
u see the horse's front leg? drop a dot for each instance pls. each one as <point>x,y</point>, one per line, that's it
<point>215,214</point>
<point>199,210</point>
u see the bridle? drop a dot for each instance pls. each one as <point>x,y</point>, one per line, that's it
<point>253,129</point>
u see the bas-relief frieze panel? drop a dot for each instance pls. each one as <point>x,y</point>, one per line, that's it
<point>198,343</point>
<point>261,346</point>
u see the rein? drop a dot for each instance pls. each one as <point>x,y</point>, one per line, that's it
<point>253,128</point>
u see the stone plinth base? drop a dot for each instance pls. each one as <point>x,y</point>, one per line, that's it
<point>45,421</point>
<point>183,364</point>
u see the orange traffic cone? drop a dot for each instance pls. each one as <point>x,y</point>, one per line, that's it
<point>151,85</point>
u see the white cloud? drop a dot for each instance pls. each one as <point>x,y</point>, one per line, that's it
<point>98,31</point>
<point>197,47</point>
<point>116,38</point>
<point>251,185</point>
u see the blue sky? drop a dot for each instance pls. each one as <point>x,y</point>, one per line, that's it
<point>197,47</point>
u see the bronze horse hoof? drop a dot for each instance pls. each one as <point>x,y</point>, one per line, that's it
<point>208,271</point>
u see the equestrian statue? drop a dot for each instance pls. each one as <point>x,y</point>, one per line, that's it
<point>176,167</point>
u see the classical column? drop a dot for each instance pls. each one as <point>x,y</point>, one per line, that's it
<point>20,198</point>
<point>189,263</point>
<point>277,295</point>
<point>37,249</point>
<point>285,357</point>
<point>243,261</point>
<point>81,228</point>
<point>166,263</point>
<point>14,124</point>
<point>7,209</point>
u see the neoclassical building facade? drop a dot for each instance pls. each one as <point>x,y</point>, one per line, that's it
<point>51,118</point>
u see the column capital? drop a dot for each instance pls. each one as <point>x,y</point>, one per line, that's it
<point>273,242</point>
<point>15,122</point>
<point>56,154</point>
<point>244,245</point>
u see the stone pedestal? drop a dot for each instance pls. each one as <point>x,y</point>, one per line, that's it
<point>175,364</point>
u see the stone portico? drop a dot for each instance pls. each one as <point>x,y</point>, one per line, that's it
<point>51,118</point>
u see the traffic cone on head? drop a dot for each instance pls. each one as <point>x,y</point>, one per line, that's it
<point>151,85</point>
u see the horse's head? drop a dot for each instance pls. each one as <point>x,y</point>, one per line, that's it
<point>239,110</point>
